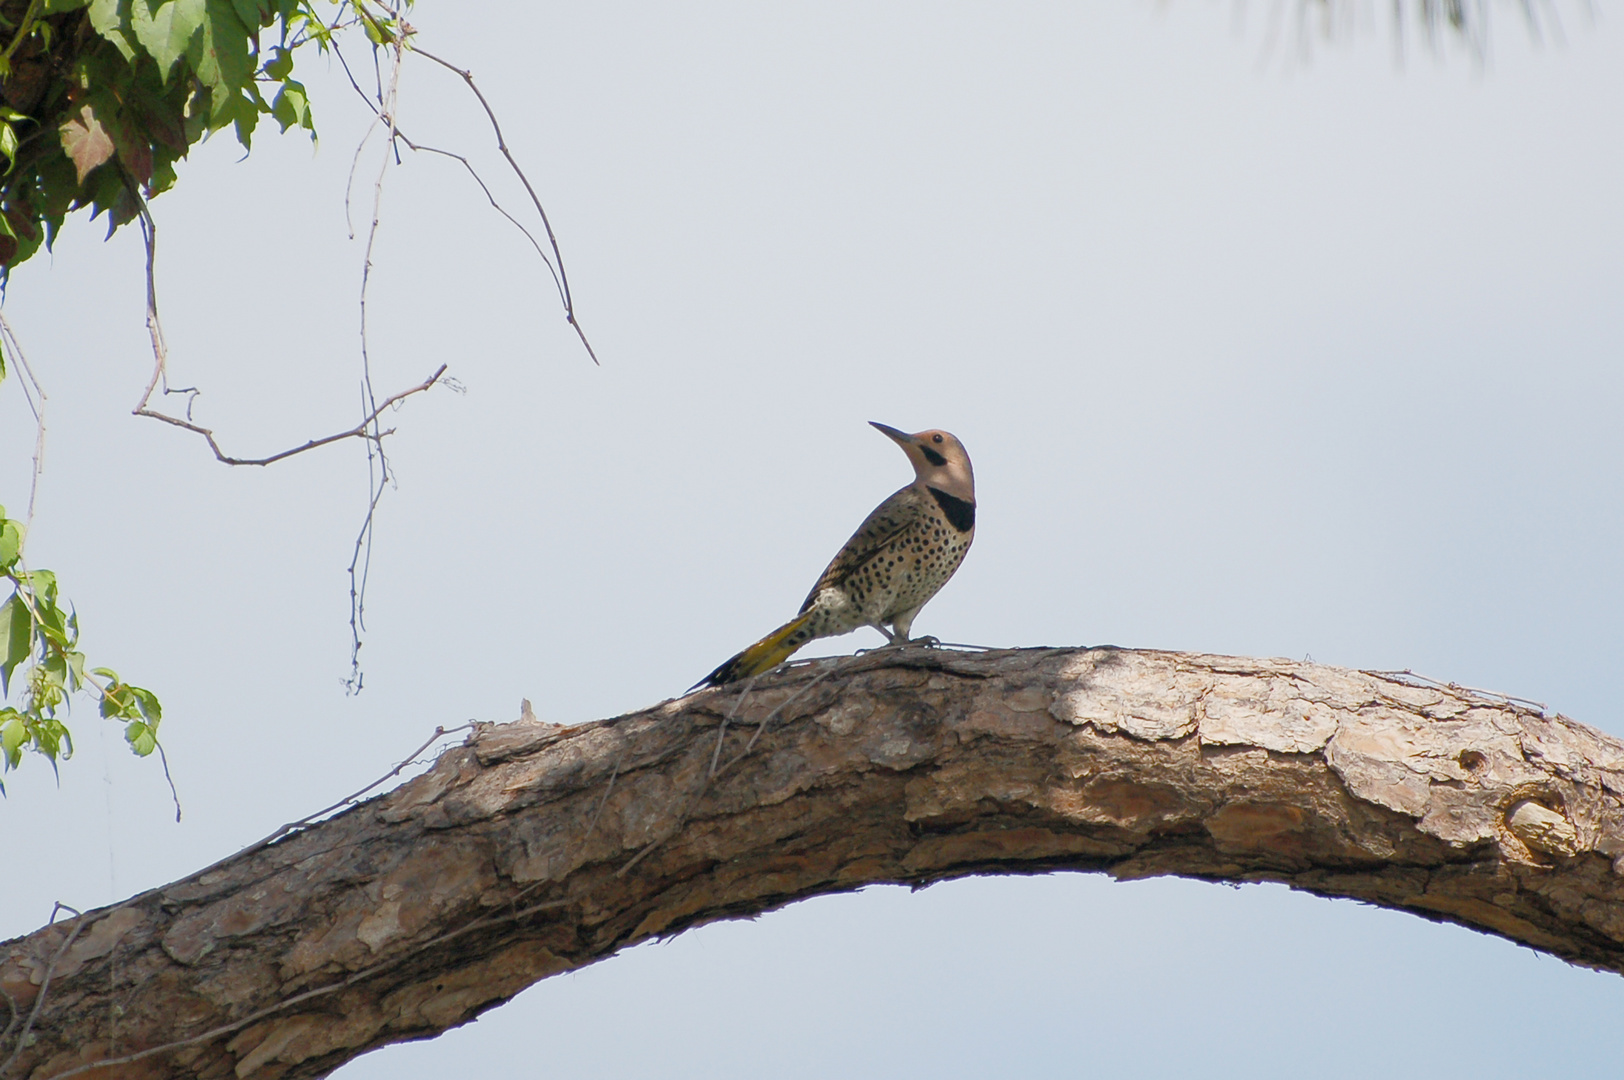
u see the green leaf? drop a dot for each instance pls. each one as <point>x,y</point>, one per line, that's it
<point>9,241</point>
<point>163,176</point>
<point>11,541</point>
<point>49,620</point>
<point>49,735</point>
<point>16,638</point>
<point>111,19</point>
<point>12,737</point>
<point>116,700</point>
<point>247,120</point>
<point>141,738</point>
<point>57,7</point>
<point>86,142</point>
<point>280,65</point>
<point>76,670</point>
<point>150,708</point>
<point>8,143</point>
<point>378,31</point>
<point>43,583</point>
<point>291,108</point>
<point>219,53</point>
<point>166,29</point>
<point>253,13</point>
<point>130,143</point>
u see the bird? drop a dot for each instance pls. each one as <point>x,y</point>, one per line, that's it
<point>898,558</point>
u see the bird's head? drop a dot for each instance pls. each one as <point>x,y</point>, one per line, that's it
<point>938,459</point>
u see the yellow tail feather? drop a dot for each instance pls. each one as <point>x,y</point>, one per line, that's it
<point>764,655</point>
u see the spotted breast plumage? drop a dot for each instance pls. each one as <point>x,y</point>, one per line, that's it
<point>898,559</point>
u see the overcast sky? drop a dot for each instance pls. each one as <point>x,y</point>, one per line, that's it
<point>1254,353</point>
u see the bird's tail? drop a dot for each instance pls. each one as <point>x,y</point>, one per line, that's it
<point>764,655</point>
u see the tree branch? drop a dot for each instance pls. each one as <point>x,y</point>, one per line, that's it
<point>563,279</point>
<point>534,849</point>
<point>359,431</point>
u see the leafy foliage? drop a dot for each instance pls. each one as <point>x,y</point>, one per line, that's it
<point>100,98</point>
<point>98,101</point>
<point>42,639</point>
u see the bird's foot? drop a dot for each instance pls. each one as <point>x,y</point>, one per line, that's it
<point>928,641</point>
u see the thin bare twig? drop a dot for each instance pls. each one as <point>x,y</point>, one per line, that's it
<point>160,355</point>
<point>36,407</point>
<point>705,783</point>
<point>558,282</point>
<point>21,579</point>
<point>1457,688</point>
<point>321,991</point>
<point>45,983</point>
<point>359,431</point>
<point>39,1000</point>
<point>173,794</point>
<point>768,719</point>
<point>721,729</point>
<point>598,813</point>
<point>563,281</point>
<point>308,819</point>
<point>11,1005</point>
<point>378,474</point>
<point>424,148</point>
<point>355,160</point>
<point>512,914</point>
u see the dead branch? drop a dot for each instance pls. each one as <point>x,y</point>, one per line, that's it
<point>468,166</point>
<point>563,280</point>
<point>160,367</point>
<point>534,848</point>
<point>359,431</point>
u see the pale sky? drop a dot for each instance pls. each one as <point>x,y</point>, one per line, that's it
<point>1254,353</point>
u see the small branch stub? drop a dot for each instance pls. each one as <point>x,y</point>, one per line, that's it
<point>1542,828</point>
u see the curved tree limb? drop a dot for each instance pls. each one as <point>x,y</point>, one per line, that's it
<point>533,849</point>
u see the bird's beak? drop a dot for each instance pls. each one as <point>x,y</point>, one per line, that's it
<point>902,438</point>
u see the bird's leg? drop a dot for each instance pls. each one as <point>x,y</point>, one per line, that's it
<point>902,624</point>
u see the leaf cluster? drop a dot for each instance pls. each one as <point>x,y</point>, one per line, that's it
<point>100,98</point>
<point>37,635</point>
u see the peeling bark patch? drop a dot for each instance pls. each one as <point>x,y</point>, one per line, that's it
<point>194,936</point>
<point>1279,719</point>
<point>1482,913</point>
<point>1129,805</point>
<point>266,1044</point>
<point>1460,816</point>
<point>1383,762</point>
<point>1001,845</point>
<point>449,998</point>
<point>843,717</point>
<point>1253,825</point>
<point>1132,694</point>
<point>380,926</point>
<point>99,940</point>
<point>1009,723</point>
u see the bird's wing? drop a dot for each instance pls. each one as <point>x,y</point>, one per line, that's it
<point>887,521</point>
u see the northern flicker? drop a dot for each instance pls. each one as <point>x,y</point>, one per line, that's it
<point>896,560</point>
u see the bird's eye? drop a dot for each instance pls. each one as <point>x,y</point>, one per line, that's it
<point>936,438</point>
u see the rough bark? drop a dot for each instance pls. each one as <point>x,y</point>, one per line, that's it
<point>534,848</point>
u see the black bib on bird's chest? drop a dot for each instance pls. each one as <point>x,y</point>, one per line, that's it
<point>960,514</point>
